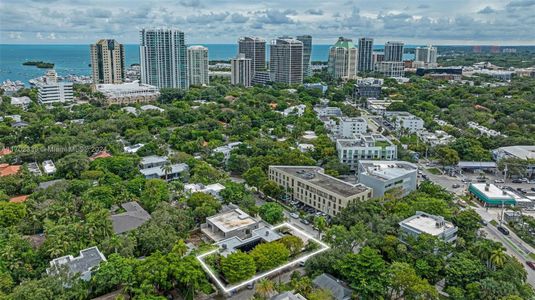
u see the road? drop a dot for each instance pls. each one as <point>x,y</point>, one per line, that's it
<point>514,246</point>
<point>512,243</point>
<point>306,228</point>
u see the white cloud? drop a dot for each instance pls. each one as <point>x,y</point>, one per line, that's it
<point>416,21</point>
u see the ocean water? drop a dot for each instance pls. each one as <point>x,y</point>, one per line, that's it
<point>74,59</point>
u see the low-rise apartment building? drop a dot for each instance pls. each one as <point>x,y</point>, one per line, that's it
<point>368,88</point>
<point>382,176</point>
<point>403,120</point>
<point>309,185</point>
<point>430,224</point>
<point>128,93</point>
<point>346,127</point>
<point>365,147</point>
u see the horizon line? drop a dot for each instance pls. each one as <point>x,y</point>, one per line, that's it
<point>381,44</point>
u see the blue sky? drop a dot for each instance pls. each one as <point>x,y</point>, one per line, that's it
<point>505,22</point>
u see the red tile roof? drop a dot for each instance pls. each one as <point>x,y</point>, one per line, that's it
<point>6,170</point>
<point>101,154</point>
<point>19,199</point>
<point>5,151</point>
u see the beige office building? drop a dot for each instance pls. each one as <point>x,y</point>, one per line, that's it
<point>107,62</point>
<point>310,185</point>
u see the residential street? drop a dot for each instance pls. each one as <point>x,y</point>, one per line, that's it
<point>513,244</point>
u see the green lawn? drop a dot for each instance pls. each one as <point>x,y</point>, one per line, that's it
<point>434,171</point>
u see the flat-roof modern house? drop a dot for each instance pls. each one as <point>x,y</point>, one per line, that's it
<point>227,149</point>
<point>288,296</point>
<point>133,217</point>
<point>21,102</point>
<point>133,148</point>
<point>490,195</point>
<point>211,189</point>
<point>49,167</point>
<point>84,264</point>
<point>158,172</point>
<point>381,176</point>
<point>365,147</point>
<point>152,161</point>
<point>430,224</point>
<point>231,223</point>
<point>310,185</point>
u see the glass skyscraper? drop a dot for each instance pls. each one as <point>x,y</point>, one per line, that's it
<point>163,58</point>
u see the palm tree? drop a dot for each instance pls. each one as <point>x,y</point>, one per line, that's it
<point>497,258</point>
<point>483,251</point>
<point>166,168</point>
<point>265,288</point>
<point>321,224</point>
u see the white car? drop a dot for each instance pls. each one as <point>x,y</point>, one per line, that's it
<point>294,215</point>
<point>499,181</point>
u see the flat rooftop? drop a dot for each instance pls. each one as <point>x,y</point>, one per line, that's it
<point>493,191</point>
<point>315,176</point>
<point>523,152</point>
<point>386,170</point>
<point>231,220</point>
<point>428,224</point>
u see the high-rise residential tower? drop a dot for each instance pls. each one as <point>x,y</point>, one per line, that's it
<point>365,59</point>
<point>286,60</point>
<point>241,70</point>
<point>254,48</point>
<point>343,59</point>
<point>198,65</point>
<point>426,56</point>
<point>307,53</point>
<point>107,62</point>
<point>393,51</point>
<point>163,58</point>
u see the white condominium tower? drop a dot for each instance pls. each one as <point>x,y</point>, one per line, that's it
<point>393,51</point>
<point>426,56</point>
<point>286,61</point>
<point>241,70</point>
<point>365,59</point>
<point>343,59</point>
<point>107,62</point>
<point>163,58</point>
<point>198,65</point>
<point>254,48</point>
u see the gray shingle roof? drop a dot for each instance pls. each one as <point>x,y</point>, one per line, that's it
<point>337,288</point>
<point>134,217</point>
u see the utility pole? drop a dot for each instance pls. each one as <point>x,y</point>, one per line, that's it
<point>501,219</point>
<point>505,173</point>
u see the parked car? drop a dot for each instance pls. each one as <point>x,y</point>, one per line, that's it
<point>294,215</point>
<point>304,221</point>
<point>533,189</point>
<point>531,264</point>
<point>517,181</point>
<point>499,181</point>
<point>503,230</point>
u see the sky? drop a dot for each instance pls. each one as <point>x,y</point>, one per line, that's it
<point>446,22</point>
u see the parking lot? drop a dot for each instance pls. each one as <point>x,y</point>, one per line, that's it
<point>458,182</point>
